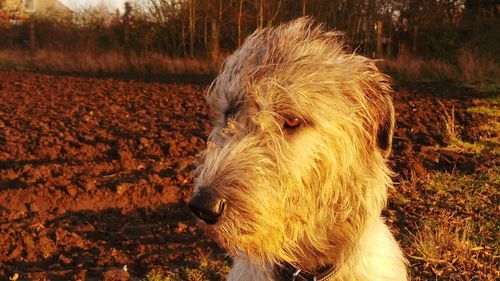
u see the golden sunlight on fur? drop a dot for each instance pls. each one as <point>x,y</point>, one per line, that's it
<point>294,177</point>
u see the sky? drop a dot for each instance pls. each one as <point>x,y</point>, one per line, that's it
<point>83,4</point>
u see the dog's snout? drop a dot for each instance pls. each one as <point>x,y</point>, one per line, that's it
<point>207,206</point>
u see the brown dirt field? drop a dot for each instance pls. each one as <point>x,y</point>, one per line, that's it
<point>95,172</point>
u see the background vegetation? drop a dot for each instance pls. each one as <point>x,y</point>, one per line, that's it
<point>419,39</point>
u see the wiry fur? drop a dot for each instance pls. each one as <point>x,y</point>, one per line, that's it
<point>310,196</point>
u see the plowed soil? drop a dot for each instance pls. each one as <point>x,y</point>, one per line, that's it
<point>95,173</point>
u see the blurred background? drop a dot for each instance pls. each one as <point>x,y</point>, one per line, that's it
<point>419,39</point>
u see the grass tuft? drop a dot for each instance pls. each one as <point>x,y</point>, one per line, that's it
<point>451,130</point>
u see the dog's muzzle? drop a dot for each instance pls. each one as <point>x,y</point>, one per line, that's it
<point>207,206</point>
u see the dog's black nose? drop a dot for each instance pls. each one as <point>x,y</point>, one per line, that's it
<point>206,206</point>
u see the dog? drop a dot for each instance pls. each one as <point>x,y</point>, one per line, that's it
<point>294,176</point>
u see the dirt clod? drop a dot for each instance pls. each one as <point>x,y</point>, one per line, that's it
<point>116,274</point>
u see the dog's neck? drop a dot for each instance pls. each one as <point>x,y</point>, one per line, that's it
<point>325,265</point>
<point>289,272</point>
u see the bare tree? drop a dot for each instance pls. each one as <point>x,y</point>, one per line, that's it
<point>240,14</point>
<point>192,25</point>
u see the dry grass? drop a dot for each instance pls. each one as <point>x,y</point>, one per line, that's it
<point>408,68</point>
<point>436,241</point>
<point>445,246</point>
<point>205,269</point>
<point>492,111</point>
<point>452,134</point>
<point>451,130</point>
<point>488,140</point>
<point>109,62</point>
<point>454,226</point>
<point>476,68</point>
<point>472,69</point>
<point>451,218</point>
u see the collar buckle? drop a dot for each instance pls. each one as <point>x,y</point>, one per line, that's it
<point>289,272</point>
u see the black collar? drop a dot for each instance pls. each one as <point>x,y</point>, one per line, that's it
<point>289,272</point>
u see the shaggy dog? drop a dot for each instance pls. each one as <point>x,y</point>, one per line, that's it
<point>294,177</point>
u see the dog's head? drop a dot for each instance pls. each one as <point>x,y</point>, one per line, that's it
<point>295,164</point>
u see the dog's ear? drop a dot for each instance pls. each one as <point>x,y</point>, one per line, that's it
<point>382,113</point>
<point>386,128</point>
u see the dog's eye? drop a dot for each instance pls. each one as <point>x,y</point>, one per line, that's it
<point>292,123</point>
<point>229,114</point>
<point>231,110</point>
